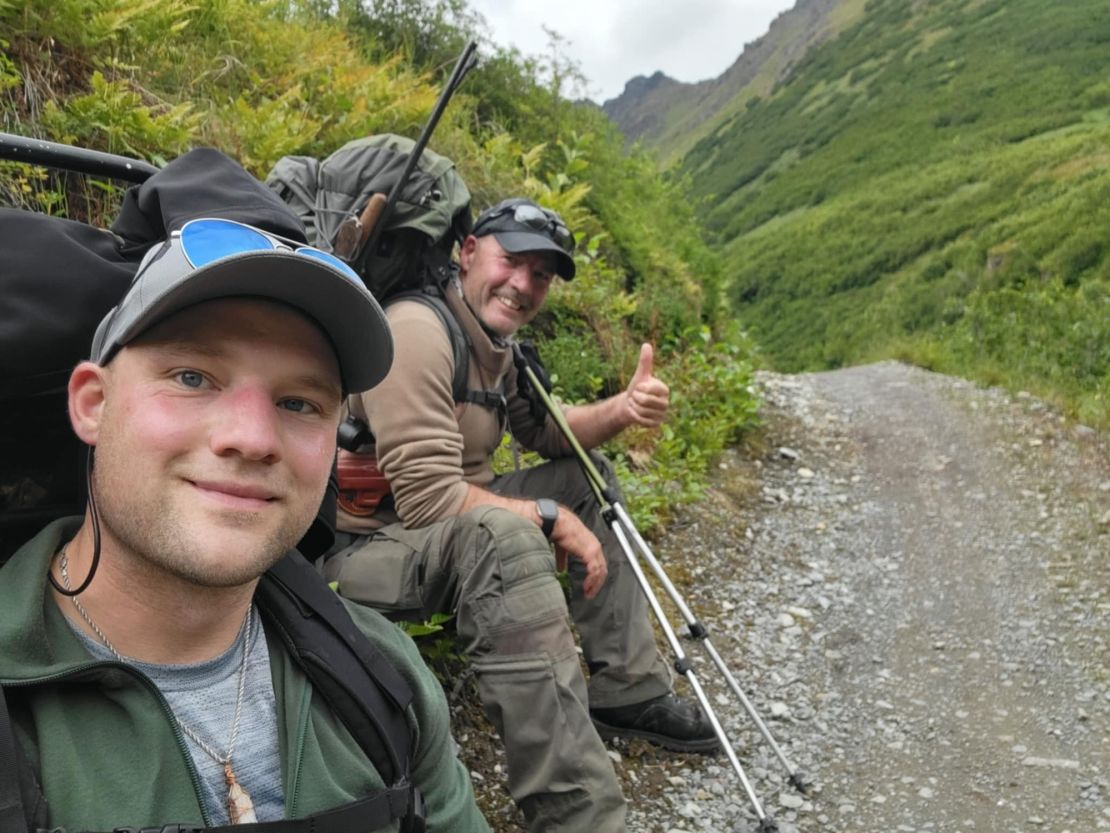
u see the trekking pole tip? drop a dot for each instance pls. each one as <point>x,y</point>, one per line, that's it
<point>768,825</point>
<point>800,782</point>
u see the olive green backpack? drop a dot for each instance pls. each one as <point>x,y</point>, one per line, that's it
<point>413,249</point>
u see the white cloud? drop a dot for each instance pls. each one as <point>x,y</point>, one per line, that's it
<point>615,40</point>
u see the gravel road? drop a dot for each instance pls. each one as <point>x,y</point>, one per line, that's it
<point>909,577</point>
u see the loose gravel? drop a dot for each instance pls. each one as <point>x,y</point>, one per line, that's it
<point>908,576</point>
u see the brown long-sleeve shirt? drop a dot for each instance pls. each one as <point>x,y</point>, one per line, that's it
<point>429,447</point>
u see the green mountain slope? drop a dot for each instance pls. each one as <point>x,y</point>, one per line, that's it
<point>669,117</point>
<point>934,183</point>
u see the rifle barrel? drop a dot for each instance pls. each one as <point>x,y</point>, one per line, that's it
<point>462,66</point>
<point>78,160</point>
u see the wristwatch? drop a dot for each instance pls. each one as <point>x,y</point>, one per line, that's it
<point>549,513</point>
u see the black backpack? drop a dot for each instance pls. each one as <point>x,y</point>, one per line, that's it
<point>59,278</point>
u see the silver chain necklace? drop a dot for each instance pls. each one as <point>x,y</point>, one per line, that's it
<point>239,805</point>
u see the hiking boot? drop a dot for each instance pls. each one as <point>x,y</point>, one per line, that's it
<point>667,721</point>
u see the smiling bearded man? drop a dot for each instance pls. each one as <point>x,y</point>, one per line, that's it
<point>454,537</point>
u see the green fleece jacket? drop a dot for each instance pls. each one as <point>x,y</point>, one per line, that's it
<point>107,752</point>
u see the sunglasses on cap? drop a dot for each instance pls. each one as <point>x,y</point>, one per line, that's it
<point>207,240</point>
<point>530,215</point>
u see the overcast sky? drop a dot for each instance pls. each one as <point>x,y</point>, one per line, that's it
<point>615,40</point>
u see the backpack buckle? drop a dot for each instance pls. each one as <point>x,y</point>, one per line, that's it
<point>416,820</point>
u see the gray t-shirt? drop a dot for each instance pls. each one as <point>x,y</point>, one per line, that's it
<point>203,697</point>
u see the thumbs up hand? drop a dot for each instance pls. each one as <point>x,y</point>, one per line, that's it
<point>647,396</point>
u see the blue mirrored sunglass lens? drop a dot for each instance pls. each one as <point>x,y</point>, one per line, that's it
<point>329,259</point>
<point>204,241</point>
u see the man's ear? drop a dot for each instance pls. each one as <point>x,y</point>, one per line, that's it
<point>87,385</point>
<point>466,252</point>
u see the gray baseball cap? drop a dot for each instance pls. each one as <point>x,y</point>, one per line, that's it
<point>520,225</point>
<point>328,292</point>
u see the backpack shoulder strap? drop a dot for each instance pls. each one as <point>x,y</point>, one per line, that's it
<point>367,693</point>
<point>432,297</point>
<point>13,818</point>
<point>460,344</point>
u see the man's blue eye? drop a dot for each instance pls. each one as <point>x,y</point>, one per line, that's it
<point>191,379</point>
<point>298,406</point>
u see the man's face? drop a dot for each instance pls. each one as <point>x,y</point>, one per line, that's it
<point>215,439</point>
<point>505,290</point>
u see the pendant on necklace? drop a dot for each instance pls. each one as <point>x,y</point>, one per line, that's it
<point>240,808</point>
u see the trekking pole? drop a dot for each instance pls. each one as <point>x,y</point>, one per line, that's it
<point>69,158</point>
<point>697,631</point>
<point>683,666</point>
<point>618,521</point>
<point>700,633</point>
<point>466,62</point>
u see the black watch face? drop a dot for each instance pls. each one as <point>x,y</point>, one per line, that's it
<point>549,513</point>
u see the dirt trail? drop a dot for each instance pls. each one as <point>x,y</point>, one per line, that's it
<point>911,578</point>
<point>995,627</point>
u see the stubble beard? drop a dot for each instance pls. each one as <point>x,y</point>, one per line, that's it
<point>524,313</point>
<point>153,532</point>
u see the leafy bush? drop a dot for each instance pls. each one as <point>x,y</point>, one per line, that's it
<point>112,115</point>
<point>713,403</point>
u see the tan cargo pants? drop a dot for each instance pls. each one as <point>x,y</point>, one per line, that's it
<point>497,573</point>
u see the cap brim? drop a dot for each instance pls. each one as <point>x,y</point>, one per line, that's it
<point>342,307</point>
<point>526,241</point>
